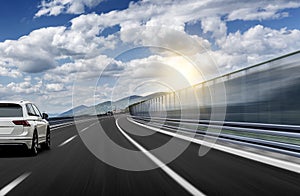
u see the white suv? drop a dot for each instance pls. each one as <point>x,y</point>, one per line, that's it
<point>21,123</point>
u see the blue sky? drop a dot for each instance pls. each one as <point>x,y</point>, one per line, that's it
<point>49,48</point>
<point>17,16</point>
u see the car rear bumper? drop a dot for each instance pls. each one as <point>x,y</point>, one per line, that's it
<point>15,141</point>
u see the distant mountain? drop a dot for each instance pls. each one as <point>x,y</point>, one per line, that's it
<point>127,101</point>
<point>73,111</point>
<point>102,108</point>
<point>53,115</point>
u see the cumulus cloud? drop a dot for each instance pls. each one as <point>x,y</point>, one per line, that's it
<point>150,23</point>
<point>81,69</point>
<point>56,7</point>
<point>264,10</point>
<point>14,73</point>
<point>40,50</point>
<point>262,40</point>
<point>138,22</point>
<point>257,44</point>
<point>216,26</point>
<point>164,37</point>
<point>24,87</point>
<point>54,87</point>
<point>32,53</point>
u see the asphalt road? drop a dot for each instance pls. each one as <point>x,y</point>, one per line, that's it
<point>69,168</point>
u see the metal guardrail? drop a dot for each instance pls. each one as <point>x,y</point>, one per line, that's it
<point>252,134</point>
<point>294,131</point>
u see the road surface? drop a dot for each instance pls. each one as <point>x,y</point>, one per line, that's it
<point>69,168</point>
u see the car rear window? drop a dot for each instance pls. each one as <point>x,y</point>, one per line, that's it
<point>10,110</point>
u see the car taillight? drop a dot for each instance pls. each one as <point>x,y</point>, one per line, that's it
<point>21,122</point>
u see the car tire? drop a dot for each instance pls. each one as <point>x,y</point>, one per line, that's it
<point>47,143</point>
<point>34,146</point>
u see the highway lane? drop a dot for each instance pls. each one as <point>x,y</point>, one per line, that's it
<point>70,169</point>
<point>220,173</point>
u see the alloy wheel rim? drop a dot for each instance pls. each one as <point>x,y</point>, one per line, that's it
<point>35,144</point>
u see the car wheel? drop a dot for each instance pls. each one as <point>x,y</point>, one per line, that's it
<point>47,143</point>
<point>34,146</point>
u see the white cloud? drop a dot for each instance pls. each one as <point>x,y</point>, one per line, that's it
<point>34,52</point>
<point>24,87</point>
<point>40,50</point>
<point>216,26</point>
<point>174,14</point>
<point>257,44</point>
<point>263,10</point>
<point>14,73</point>
<point>54,87</point>
<point>164,15</point>
<point>164,40</point>
<point>56,7</point>
<point>80,69</point>
<point>151,23</point>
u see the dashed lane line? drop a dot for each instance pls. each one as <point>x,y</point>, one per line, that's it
<point>13,184</point>
<point>87,128</point>
<point>67,141</point>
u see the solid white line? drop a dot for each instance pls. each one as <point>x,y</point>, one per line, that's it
<point>13,184</point>
<point>184,183</point>
<point>249,155</point>
<point>67,141</point>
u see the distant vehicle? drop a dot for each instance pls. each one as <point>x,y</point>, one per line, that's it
<point>21,123</point>
<point>109,113</point>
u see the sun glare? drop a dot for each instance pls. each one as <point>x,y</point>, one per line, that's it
<point>185,67</point>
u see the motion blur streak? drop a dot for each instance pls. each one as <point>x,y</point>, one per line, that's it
<point>13,184</point>
<point>73,170</point>
<point>268,92</point>
<point>185,184</point>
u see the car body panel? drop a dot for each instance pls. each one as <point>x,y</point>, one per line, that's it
<point>11,134</point>
<point>7,127</point>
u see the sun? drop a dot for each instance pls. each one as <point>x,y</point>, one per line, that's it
<point>185,67</point>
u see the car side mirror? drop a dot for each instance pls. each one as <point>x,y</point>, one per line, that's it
<point>45,116</point>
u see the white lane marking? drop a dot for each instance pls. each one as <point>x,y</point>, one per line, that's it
<point>61,124</point>
<point>67,141</point>
<point>70,139</point>
<point>13,184</point>
<point>249,155</point>
<point>59,127</point>
<point>87,128</point>
<point>84,129</point>
<point>180,180</point>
